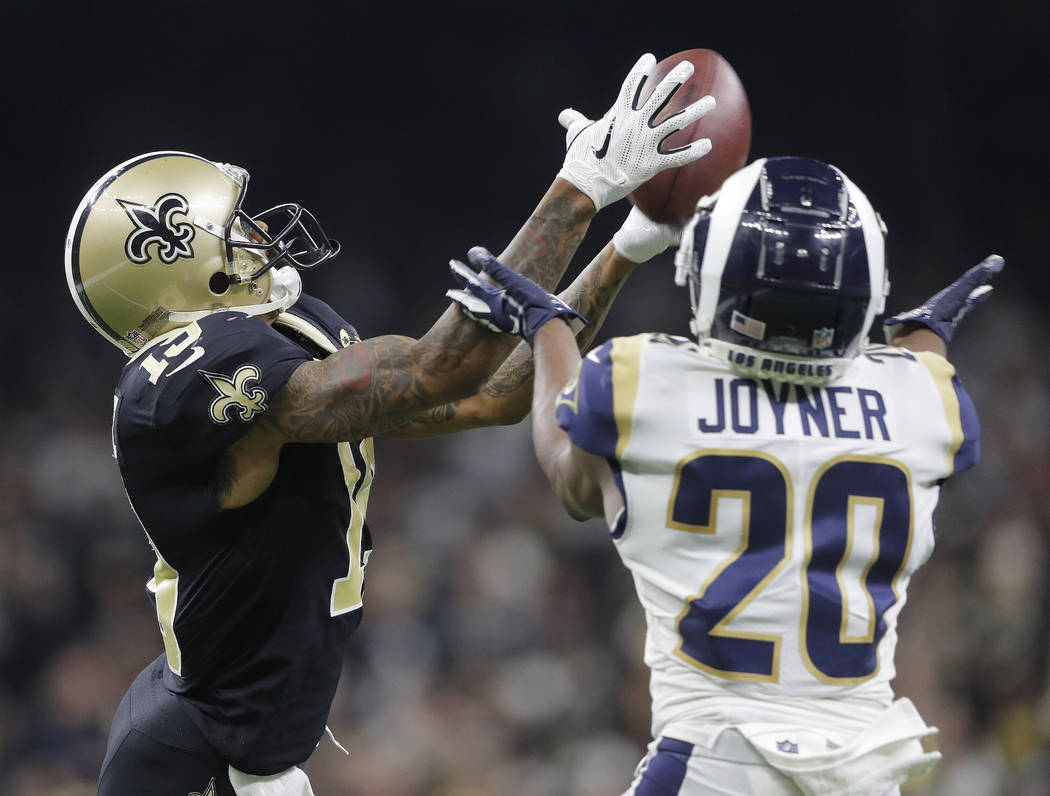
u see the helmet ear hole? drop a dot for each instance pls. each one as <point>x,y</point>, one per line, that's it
<point>219,283</point>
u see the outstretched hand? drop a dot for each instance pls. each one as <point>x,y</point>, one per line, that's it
<point>608,158</point>
<point>503,300</point>
<point>942,312</point>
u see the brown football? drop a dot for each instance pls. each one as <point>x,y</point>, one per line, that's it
<point>672,194</point>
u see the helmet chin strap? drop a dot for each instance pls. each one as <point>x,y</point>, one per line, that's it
<point>285,290</point>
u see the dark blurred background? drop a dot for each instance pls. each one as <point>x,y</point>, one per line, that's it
<point>501,649</point>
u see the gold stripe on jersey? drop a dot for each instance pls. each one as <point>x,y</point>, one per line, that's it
<point>367,449</point>
<point>165,587</point>
<point>808,537</point>
<point>720,629</point>
<point>943,371</point>
<point>346,591</point>
<point>625,356</point>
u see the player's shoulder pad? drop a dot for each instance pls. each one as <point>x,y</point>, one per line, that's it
<point>884,354</point>
<point>964,427</point>
<point>597,400</point>
<point>925,372</point>
<point>320,315</point>
<point>220,371</point>
<point>672,340</point>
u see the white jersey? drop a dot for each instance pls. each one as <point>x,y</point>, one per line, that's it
<point>771,529</point>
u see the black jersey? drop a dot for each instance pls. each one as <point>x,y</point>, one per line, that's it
<point>255,604</point>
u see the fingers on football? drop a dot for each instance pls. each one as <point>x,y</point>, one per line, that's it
<point>666,87</point>
<point>687,115</point>
<point>696,110</point>
<point>644,63</point>
<point>696,150</point>
<point>638,72</point>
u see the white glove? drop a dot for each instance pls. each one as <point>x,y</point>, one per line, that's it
<point>609,158</point>
<point>640,239</point>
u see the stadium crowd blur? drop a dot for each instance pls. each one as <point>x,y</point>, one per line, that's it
<point>500,651</point>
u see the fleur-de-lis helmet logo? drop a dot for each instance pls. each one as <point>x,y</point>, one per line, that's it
<point>235,394</point>
<point>155,225</point>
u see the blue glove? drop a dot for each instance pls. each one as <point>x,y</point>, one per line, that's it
<point>942,312</point>
<point>506,301</point>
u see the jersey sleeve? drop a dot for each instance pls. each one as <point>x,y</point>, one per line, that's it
<point>227,391</point>
<point>596,407</point>
<point>964,445</point>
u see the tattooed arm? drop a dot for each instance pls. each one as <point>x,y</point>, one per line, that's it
<point>507,397</point>
<point>379,384</point>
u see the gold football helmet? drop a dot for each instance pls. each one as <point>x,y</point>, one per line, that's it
<point>161,240</point>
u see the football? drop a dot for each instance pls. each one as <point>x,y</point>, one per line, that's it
<point>671,196</point>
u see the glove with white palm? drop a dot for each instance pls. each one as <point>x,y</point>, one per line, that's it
<point>608,158</point>
<point>503,300</point>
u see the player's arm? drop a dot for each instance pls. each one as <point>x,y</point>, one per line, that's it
<point>931,326</point>
<point>918,338</point>
<point>582,481</point>
<point>380,384</point>
<point>506,397</point>
<point>509,302</point>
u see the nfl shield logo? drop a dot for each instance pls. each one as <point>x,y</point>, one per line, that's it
<point>136,337</point>
<point>788,746</point>
<point>822,337</point>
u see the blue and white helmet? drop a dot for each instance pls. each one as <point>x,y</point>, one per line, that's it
<point>786,270</point>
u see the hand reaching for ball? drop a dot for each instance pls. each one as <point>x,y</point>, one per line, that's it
<point>671,195</point>
<point>608,158</point>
